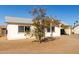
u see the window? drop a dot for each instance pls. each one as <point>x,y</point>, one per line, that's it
<point>21,29</point>
<point>48,29</point>
<point>27,28</point>
<point>53,29</point>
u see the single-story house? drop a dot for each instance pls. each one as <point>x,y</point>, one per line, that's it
<point>76,29</point>
<point>16,28</point>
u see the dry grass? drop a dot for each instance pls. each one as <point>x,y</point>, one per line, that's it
<point>64,44</point>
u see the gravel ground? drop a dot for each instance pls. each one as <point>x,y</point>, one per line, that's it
<point>64,44</point>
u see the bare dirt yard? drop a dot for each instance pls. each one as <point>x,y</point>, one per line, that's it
<point>64,44</point>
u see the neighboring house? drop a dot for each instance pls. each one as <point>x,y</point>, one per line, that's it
<point>16,28</point>
<point>3,30</point>
<point>76,29</point>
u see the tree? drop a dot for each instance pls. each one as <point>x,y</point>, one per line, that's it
<point>38,22</point>
<point>41,21</point>
<point>76,21</point>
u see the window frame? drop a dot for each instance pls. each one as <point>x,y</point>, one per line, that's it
<point>48,30</point>
<point>23,29</point>
<point>20,30</point>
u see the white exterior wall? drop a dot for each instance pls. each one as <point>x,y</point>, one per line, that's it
<point>68,31</point>
<point>13,33</point>
<point>56,33</point>
<point>76,30</point>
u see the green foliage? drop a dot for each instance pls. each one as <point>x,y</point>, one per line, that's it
<point>38,30</point>
<point>40,21</point>
<point>27,31</point>
<point>55,22</point>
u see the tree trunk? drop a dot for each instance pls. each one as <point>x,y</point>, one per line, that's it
<point>39,39</point>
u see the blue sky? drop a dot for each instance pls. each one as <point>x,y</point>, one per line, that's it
<point>66,13</point>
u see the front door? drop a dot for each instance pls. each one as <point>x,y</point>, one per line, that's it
<point>63,32</point>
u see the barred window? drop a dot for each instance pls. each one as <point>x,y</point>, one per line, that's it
<point>21,29</point>
<point>27,28</point>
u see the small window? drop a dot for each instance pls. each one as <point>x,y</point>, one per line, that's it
<point>53,29</point>
<point>21,29</point>
<point>48,29</point>
<point>27,28</point>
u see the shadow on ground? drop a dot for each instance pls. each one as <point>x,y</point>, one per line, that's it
<point>45,39</point>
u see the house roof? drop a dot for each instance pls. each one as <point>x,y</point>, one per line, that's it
<point>9,19</point>
<point>17,20</point>
<point>76,25</point>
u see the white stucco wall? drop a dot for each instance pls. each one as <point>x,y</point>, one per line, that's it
<point>76,30</point>
<point>68,31</point>
<point>13,33</point>
<point>56,33</point>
